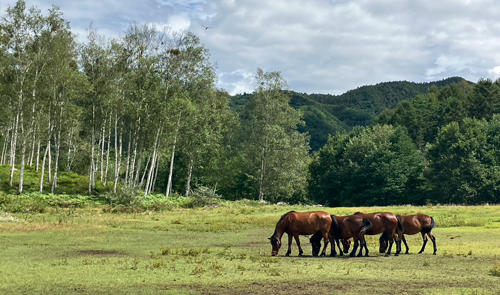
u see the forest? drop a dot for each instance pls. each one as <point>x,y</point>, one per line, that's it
<point>142,115</point>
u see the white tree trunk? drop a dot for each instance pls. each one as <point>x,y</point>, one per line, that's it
<point>13,144</point>
<point>103,142</point>
<point>107,153</point>
<point>43,170</point>
<point>188,182</point>
<point>170,173</point>
<point>38,156</point>
<point>23,154</point>
<point>147,189</point>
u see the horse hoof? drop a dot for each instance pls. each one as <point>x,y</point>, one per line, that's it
<point>387,255</point>
<point>434,253</point>
<point>407,252</point>
<point>366,255</point>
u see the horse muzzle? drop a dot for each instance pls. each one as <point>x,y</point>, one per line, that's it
<point>275,253</point>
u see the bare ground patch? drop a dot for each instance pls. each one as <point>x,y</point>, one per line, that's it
<point>101,252</point>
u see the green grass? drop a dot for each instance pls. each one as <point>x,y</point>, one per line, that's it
<point>225,250</point>
<point>68,182</point>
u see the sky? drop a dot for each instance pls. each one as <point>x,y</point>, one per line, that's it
<point>319,46</point>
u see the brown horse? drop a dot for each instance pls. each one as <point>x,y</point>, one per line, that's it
<point>386,223</point>
<point>343,228</point>
<point>300,223</point>
<point>414,224</point>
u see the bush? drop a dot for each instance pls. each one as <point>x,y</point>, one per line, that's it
<point>203,196</point>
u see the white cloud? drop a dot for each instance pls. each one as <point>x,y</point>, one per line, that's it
<point>320,46</point>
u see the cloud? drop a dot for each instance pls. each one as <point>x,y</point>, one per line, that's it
<point>319,46</point>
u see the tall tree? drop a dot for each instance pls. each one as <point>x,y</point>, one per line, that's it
<point>276,152</point>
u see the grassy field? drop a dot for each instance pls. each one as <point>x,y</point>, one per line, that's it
<point>225,250</point>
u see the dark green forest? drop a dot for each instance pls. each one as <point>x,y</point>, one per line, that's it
<point>141,115</point>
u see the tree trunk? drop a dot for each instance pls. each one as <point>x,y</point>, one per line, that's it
<point>153,163</point>
<point>155,176</point>
<point>261,181</point>
<point>169,183</point>
<point>188,182</point>
<point>107,153</point>
<point>92,164</point>
<point>23,154</point>
<point>43,170</point>
<point>38,156</point>
<point>116,154</point>
<point>4,148</point>
<point>127,170</point>
<point>13,144</point>
<point>103,142</point>
<point>145,170</point>
<point>58,148</point>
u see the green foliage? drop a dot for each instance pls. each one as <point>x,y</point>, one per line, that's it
<point>464,163</point>
<point>373,166</point>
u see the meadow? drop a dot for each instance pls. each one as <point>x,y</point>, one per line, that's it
<point>225,250</point>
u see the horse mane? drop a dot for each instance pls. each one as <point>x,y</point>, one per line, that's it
<point>275,235</point>
<point>357,213</point>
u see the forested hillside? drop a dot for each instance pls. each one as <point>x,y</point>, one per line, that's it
<point>327,114</point>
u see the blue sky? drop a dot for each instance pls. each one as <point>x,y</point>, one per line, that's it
<point>319,46</point>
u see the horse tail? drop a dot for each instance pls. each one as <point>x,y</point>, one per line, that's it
<point>427,229</point>
<point>400,224</point>
<point>335,224</point>
<point>366,225</point>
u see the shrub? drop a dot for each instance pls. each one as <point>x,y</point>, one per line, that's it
<point>203,196</point>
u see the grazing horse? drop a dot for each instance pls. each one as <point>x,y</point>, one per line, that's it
<point>414,224</point>
<point>343,228</point>
<point>386,223</point>
<point>300,223</point>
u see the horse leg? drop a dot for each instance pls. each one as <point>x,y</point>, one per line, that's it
<point>433,239</point>
<point>398,245</point>
<point>354,248</point>
<point>333,253</point>
<point>326,240</point>
<point>424,237</point>
<point>366,247</point>
<point>289,245</point>
<point>363,245</point>
<point>406,245</point>
<point>297,240</point>
<point>341,251</point>
<point>391,241</point>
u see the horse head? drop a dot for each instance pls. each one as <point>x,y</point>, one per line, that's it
<point>346,243</point>
<point>276,243</point>
<point>316,243</point>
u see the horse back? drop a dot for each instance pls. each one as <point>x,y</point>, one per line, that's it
<point>381,222</point>
<point>307,223</point>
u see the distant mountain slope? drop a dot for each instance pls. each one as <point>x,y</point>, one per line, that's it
<point>327,114</point>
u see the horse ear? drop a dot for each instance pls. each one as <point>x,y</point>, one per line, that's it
<point>269,238</point>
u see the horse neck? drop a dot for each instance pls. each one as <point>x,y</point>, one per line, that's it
<point>280,229</point>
